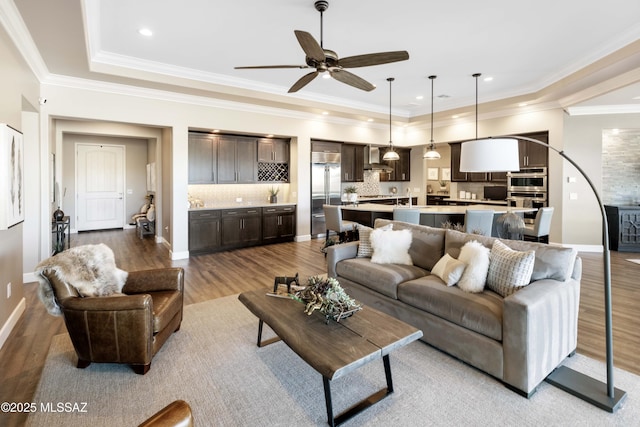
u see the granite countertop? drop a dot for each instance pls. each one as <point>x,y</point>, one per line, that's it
<point>236,205</point>
<point>479,201</point>
<point>372,207</point>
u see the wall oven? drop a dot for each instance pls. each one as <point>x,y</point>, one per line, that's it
<point>528,189</point>
<point>528,180</point>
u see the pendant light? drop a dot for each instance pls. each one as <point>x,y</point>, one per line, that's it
<point>488,154</point>
<point>431,149</point>
<point>390,154</point>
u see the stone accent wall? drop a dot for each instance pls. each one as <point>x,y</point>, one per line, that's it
<point>621,167</point>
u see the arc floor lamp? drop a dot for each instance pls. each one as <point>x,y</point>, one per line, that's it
<point>500,154</point>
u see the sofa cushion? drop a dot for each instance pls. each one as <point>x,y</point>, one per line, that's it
<point>509,270</point>
<point>383,278</point>
<point>427,244</point>
<point>481,312</point>
<point>449,269</point>
<point>551,262</point>
<point>390,246</point>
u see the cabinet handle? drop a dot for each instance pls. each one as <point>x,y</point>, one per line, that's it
<point>271,210</point>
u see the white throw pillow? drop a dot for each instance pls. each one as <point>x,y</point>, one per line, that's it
<point>509,270</point>
<point>391,247</point>
<point>476,258</point>
<point>151,213</point>
<point>449,269</point>
<point>364,240</point>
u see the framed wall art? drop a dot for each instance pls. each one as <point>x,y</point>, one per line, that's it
<point>11,177</point>
<point>432,174</point>
<point>446,174</point>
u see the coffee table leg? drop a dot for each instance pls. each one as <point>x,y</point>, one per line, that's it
<point>266,342</point>
<point>362,405</point>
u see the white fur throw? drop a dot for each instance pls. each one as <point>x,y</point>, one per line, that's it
<point>91,269</point>
<point>391,247</point>
<point>476,256</point>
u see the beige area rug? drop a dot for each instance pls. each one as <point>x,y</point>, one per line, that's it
<point>214,364</point>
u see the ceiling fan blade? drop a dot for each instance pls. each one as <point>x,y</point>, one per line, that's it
<point>303,81</point>
<point>310,46</point>
<point>351,79</point>
<point>373,59</point>
<point>254,67</point>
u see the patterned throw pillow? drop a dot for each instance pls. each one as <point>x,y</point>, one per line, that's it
<point>509,270</point>
<point>448,269</point>
<point>364,243</point>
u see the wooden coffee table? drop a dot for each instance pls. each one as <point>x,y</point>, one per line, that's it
<point>332,348</point>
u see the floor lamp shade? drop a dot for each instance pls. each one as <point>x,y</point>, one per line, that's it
<point>490,155</point>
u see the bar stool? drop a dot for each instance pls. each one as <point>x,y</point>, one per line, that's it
<point>334,222</point>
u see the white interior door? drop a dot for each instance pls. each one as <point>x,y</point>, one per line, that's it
<point>100,186</point>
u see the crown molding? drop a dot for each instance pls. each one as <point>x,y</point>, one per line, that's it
<point>169,96</point>
<point>13,23</point>
<point>596,110</point>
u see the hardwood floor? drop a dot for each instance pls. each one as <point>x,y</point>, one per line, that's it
<point>216,275</point>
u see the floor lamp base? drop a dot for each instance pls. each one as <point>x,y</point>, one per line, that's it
<point>586,388</point>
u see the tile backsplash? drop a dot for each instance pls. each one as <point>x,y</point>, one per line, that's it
<point>211,194</point>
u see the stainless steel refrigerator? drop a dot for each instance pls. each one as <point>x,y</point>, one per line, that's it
<point>325,187</point>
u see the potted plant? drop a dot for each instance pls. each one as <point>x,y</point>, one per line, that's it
<point>273,194</point>
<point>352,193</point>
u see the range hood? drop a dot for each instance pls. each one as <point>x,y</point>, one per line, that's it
<point>372,161</point>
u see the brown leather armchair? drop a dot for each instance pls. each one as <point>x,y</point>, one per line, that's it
<point>176,414</point>
<point>128,328</point>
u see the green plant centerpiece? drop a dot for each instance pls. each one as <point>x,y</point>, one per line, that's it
<point>327,296</point>
<point>273,194</point>
<point>351,193</point>
<point>351,189</point>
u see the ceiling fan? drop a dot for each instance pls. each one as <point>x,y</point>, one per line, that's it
<point>325,60</point>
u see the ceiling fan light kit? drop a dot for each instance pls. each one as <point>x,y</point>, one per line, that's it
<point>431,153</point>
<point>390,154</point>
<point>325,60</point>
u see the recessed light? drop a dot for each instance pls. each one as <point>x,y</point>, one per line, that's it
<point>488,79</point>
<point>216,130</point>
<point>522,104</point>
<point>369,120</point>
<point>270,136</point>
<point>326,76</point>
<point>145,32</point>
<point>455,116</point>
<point>419,97</point>
<point>326,113</point>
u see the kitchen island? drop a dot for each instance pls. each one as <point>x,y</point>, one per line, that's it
<point>433,216</point>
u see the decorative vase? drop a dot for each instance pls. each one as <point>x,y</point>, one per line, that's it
<point>353,197</point>
<point>273,199</point>
<point>58,215</point>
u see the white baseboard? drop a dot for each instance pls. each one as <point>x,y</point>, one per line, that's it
<point>303,238</point>
<point>11,321</point>
<point>587,248</point>
<point>29,277</point>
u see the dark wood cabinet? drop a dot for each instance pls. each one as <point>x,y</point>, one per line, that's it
<point>278,224</point>
<point>203,151</point>
<point>624,228</point>
<point>401,167</point>
<point>272,150</point>
<point>534,155</point>
<point>456,175</point>
<point>241,227</point>
<point>204,231</point>
<point>352,163</point>
<point>237,160</point>
<point>497,177</point>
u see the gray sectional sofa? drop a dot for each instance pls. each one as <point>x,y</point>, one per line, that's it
<point>518,339</point>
